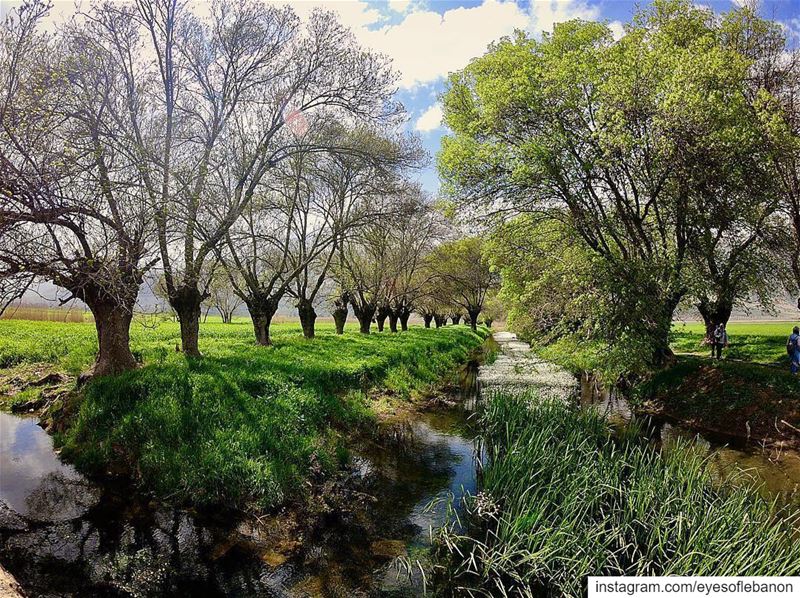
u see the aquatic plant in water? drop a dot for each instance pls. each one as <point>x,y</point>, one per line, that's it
<point>572,499</point>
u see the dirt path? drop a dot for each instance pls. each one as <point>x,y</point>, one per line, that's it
<point>517,368</point>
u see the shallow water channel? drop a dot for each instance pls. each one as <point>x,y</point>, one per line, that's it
<point>62,535</point>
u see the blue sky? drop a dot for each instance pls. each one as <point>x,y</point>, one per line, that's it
<point>429,39</point>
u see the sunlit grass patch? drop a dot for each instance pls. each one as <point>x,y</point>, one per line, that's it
<point>763,342</point>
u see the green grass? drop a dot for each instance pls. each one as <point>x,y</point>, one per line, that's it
<point>762,342</point>
<point>563,498</point>
<point>244,425</point>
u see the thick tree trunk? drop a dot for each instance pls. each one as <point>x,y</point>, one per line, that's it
<point>113,323</point>
<point>189,319</point>
<point>364,314</point>
<point>439,320</point>
<point>662,353</point>
<point>186,302</point>
<point>456,319</point>
<point>380,317</point>
<point>393,321</point>
<point>261,312</point>
<point>340,318</point>
<point>308,317</point>
<point>427,318</point>
<point>403,316</point>
<point>714,313</point>
<point>340,312</point>
<point>473,318</point>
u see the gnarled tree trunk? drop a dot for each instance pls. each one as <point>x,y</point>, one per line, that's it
<point>364,314</point>
<point>662,324</point>
<point>403,316</point>
<point>393,321</point>
<point>380,317</point>
<point>439,320</point>
<point>261,312</point>
<point>186,301</point>
<point>340,312</point>
<point>308,317</point>
<point>455,318</point>
<point>473,318</point>
<point>113,322</point>
<point>427,318</point>
<point>714,313</point>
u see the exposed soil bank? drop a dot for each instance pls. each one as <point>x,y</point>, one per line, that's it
<point>747,402</point>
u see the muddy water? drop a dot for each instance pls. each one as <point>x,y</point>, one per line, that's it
<point>775,472</point>
<point>62,535</point>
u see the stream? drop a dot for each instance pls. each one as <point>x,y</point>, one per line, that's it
<point>63,535</point>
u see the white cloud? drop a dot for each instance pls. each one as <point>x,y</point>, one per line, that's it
<point>617,29</point>
<point>546,13</point>
<point>430,120</point>
<point>426,45</point>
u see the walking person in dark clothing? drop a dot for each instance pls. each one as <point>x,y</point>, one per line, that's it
<point>719,339</point>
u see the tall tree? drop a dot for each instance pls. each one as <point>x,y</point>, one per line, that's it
<point>413,234</point>
<point>361,272</point>
<point>465,275</point>
<point>349,190</point>
<point>615,135</point>
<point>235,95</point>
<point>72,209</point>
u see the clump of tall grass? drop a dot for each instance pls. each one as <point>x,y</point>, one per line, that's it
<point>564,498</point>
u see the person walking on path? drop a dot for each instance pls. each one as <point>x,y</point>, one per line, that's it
<point>793,349</point>
<point>719,339</point>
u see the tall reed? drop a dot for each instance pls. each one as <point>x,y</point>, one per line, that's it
<point>563,498</point>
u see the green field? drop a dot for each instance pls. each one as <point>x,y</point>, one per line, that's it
<point>762,342</point>
<point>244,425</point>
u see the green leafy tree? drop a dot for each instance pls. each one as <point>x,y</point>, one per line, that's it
<point>464,275</point>
<point>625,139</point>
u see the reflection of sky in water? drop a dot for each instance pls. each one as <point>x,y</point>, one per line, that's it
<point>455,454</point>
<point>26,457</point>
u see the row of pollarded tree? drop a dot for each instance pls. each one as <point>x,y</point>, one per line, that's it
<point>390,272</point>
<point>141,136</point>
<point>142,141</point>
<point>384,271</point>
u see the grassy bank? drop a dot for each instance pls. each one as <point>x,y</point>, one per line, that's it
<point>758,342</point>
<point>563,499</point>
<point>761,342</point>
<point>244,425</point>
<point>748,400</point>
